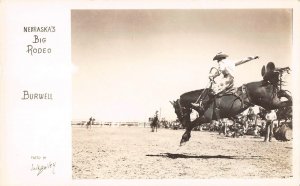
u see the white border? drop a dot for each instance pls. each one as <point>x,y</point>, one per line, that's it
<point>204,4</point>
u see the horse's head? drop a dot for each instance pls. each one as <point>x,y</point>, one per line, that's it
<point>178,109</point>
<point>182,112</point>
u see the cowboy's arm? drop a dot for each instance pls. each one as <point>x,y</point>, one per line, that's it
<point>213,74</point>
<point>246,60</point>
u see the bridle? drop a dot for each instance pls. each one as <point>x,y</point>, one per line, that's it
<point>180,108</point>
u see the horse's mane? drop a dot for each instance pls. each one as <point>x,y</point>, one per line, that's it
<point>194,95</point>
<point>255,82</point>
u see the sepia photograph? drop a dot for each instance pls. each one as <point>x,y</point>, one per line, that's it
<point>182,93</point>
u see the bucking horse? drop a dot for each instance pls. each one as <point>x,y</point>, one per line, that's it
<point>229,104</point>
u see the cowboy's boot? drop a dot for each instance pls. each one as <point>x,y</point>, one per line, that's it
<point>270,139</point>
<point>270,136</point>
<point>203,103</point>
<point>199,107</point>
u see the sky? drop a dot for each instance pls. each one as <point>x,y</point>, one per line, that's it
<point>129,63</point>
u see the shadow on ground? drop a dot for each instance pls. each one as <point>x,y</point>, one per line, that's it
<point>186,156</point>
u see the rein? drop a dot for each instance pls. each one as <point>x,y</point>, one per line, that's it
<point>209,84</point>
<point>202,93</point>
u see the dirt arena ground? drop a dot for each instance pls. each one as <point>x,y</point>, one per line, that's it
<point>137,153</point>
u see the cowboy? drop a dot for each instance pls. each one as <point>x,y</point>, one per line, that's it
<point>223,77</point>
<point>270,117</point>
<point>155,117</point>
<point>225,73</point>
<point>156,114</point>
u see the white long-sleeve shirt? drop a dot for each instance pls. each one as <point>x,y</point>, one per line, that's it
<point>271,116</point>
<point>227,66</point>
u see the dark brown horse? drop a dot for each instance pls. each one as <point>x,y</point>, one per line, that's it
<point>90,123</point>
<point>154,124</point>
<point>228,104</point>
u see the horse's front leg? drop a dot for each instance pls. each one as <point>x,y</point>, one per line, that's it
<point>285,104</point>
<point>283,93</point>
<point>189,127</point>
<point>281,104</point>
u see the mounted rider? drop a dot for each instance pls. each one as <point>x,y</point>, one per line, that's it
<point>221,78</point>
<point>156,114</point>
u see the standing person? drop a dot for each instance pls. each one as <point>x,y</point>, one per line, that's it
<point>222,77</point>
<point>251,116</point>
<point>270,117</point>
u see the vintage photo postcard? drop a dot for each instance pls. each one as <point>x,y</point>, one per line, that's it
<point>143,93</point>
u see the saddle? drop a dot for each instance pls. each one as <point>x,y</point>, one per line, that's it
<point>228,91</point>
<point>240,93</point>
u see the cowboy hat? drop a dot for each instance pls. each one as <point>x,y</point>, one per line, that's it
<point>220,56</point>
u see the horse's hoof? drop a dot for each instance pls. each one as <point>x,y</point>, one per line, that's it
<point>182,142</point>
